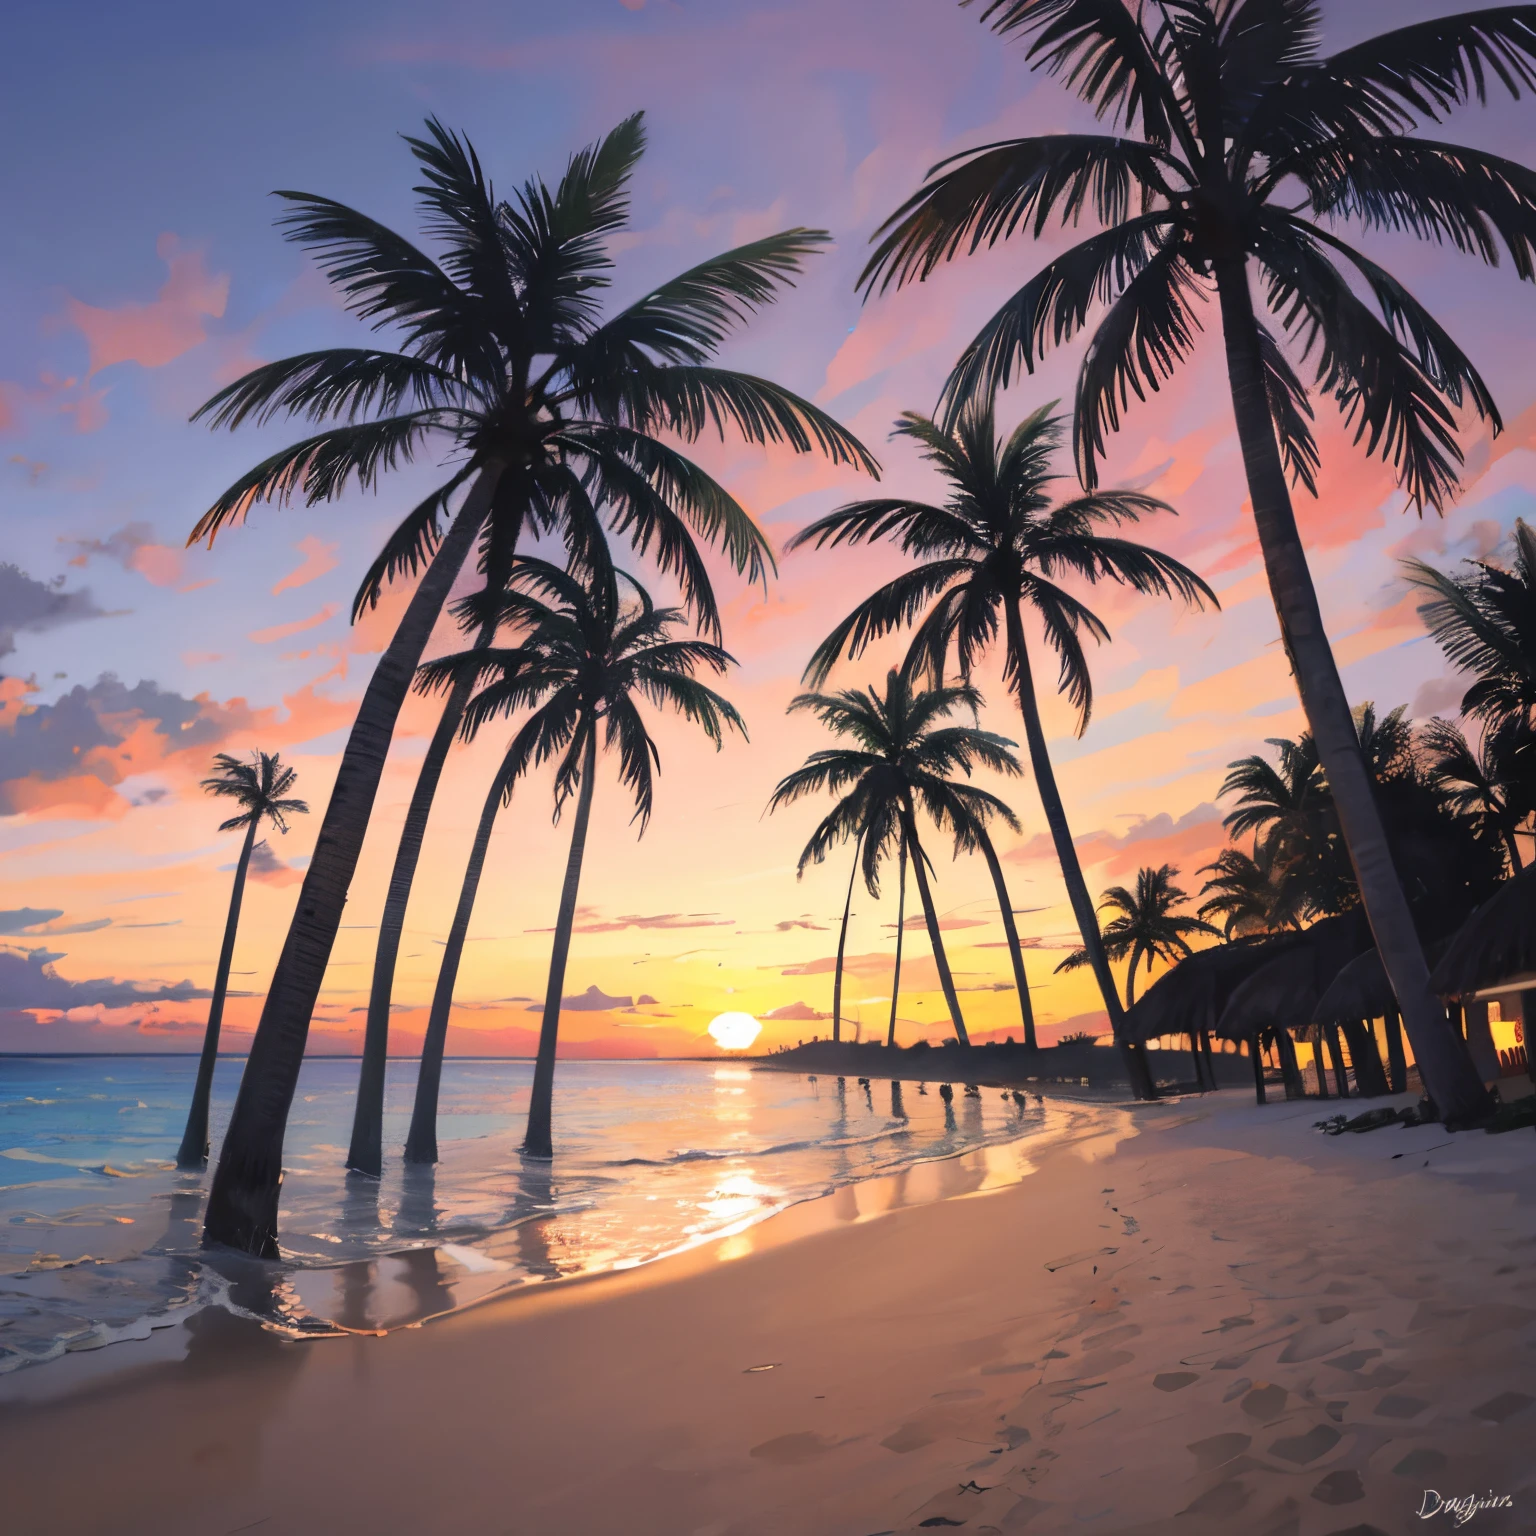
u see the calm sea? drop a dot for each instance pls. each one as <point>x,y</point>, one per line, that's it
<point>98,1231</point>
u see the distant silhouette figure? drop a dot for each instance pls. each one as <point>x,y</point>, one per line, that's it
<point>922,1087</point>
<point>946,1092</point>
<point>972,1091</point>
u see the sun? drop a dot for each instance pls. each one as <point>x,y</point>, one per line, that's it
<point>734,1031</point>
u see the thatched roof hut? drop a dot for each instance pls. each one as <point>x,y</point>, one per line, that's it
<point>1496,945</point>
<point>1193,993</point>
<point>1362,991</point>
<point>1283,992</point>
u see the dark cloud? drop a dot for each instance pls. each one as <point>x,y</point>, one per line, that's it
<point>19,919</point>
<point>40,922</point>
<point>797,922</point>
<point>592,1000</point>
<point>267,867</point>
<point>50,740</point>
<point>26,603</point>
<point>28,980</point>
<point>644,999</point>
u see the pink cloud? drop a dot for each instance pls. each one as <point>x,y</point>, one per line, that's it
<point>133,548</point>
<point>319,558</point>
<point>156,333</point>
<point>283,631</point>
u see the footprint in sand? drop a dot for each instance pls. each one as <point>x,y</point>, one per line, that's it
<point>789,1450</point>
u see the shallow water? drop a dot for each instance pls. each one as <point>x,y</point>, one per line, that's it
<point>98,1231</point>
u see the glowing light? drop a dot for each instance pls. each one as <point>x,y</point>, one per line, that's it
<point>734,1031</point>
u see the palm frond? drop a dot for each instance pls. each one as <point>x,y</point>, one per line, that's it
<point>319,468</point>
<point>989,193</point>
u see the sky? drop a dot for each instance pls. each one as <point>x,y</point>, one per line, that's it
<point>140,272</point>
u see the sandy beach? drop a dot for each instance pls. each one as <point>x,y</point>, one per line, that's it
<point>1193,1317</point>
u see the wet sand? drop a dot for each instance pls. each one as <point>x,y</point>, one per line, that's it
<point>1191,1317</point>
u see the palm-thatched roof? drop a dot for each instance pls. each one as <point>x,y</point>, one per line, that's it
<point>1497,943</point>
<point>1283,992</point>
<point>1193,993</point>
<point>1362,991</point>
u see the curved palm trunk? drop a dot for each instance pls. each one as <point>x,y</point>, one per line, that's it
<point>901,927</point>
<point>242,1204</point>
<point>1011,933</point>
<point>1135,1061</point>
<point>842,944</point>
<point>1130,977</point>
<point>193,1152</point>
<point>421,1139</point>
<point>536,1141</point>
<point>931,917</point>
<point>366,1153</point>
<point>1449,1075</point>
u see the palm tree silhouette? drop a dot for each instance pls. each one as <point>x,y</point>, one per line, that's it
<point>547,413</point>
<point>588,654</point>
<point>975,839</point>
<point>994,548</point>
<point>1485,623</point>
<point>1490,781</point>
<point>1146,926</point>
<point>902,758</point>
<point>260,787</point>
<point>1236,109</point>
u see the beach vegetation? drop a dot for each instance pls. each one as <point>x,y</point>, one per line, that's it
<point>992,552</point>
<point>1240,148</point>
<point>594,645</point>
<point>260,788</point>
<point>546,418</point>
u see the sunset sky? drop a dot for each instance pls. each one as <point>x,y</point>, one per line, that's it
<point>139,271</point>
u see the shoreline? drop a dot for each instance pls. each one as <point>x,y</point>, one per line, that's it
<point>1181,1308</point>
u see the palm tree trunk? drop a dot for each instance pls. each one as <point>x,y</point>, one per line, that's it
<point>366,1153</point>
<point>1136,1068</point>
<point>1340,1074</point>
<point>421,1139</point>
<point>242,1204</point>
<point>842,944</point>
<point>1011,933</point>
<point>1130,979</point>
<point>1286,1050</point>
<point>1320,1062</point>
<point>193,1152</point>
<point>1449,1075</point>
<point>537,1142</point>
<point>901,928</point>
<point>1397,1065</point>
<point>1370,1080</point>
<point>931,917</point>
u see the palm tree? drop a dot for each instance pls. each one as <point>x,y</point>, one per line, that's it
<point>1489,782</point>
<point>995,547</point>
<point>545,413</point>
<point>1250,894</point>
<point>260,788</point>
<point>1147,926</point>
<point>1486,624</point>
<point>588,654</point>
<point>1228,111</point>
<point>901,759</point>
<point>974,838</point>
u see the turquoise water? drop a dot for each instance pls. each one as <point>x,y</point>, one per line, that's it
<point>98,1231</point>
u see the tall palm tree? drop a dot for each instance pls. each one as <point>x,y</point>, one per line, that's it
<point>589,654</point>
<point>994,548</point>
<point>1240,146</point>
<point>1490,781</point>
<point>902,758</point>
<point>542,412</point>
<point>1146,926</point>
<point>1250,894</point>
<point>260,788</point>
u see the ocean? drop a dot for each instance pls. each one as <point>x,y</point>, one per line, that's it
<point>99,1232</point>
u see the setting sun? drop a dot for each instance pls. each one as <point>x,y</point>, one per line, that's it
<point>734,1031</point>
